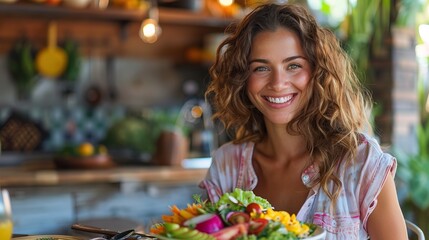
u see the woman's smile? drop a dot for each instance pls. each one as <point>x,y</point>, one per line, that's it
<point>279,100</point>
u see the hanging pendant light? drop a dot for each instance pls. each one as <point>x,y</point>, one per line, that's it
<point>150,29</point>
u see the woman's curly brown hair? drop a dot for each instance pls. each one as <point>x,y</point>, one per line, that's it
<point>336,103</point>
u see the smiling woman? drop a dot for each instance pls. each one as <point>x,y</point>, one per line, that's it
<point>286,92</point>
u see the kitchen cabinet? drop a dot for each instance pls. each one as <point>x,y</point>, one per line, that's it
<point>39,211</point>
<point>50,201</point>
<point>53,209</point>
<point>110,32</point>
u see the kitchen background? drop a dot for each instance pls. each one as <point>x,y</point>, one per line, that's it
<point>112,76</point>
<point>120,91</point>
<point>117,91</point>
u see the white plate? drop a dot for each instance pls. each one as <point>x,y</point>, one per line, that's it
<point>318,234</point>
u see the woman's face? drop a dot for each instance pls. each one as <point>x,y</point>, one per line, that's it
<point>279,75</point>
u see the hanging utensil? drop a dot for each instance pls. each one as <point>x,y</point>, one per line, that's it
<point>20,64</point>
<point>52,60</point>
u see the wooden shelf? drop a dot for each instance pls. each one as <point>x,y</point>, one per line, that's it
<point>114,30</point>
<point>18,177</point>
<point>166,15</point>
<point>183,17</point>
<point>62,12</point>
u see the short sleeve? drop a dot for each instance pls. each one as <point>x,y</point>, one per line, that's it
<point>373,176</point>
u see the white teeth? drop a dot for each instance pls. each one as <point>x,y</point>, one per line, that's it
<point>279,100</point>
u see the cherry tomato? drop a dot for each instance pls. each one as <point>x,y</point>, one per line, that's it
<point>254,207</point>
<point>256,226</point>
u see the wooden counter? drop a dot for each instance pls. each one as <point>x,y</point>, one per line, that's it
<point>16,177</point>
<point>49,201</point>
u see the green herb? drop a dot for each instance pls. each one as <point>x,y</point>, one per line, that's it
<point>207,206</point>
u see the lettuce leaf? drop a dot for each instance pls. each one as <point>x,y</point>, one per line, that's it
<point>239,198</point>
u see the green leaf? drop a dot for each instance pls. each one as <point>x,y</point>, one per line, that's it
<point>243,198</point>
<point>422,138</point>
<point>326,8</point>
<point>419,190</point>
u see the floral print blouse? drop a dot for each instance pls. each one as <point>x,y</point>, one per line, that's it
<point>362,181</point>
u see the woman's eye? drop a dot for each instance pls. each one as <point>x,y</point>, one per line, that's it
<point>294,66</point>
<point>260,69</point>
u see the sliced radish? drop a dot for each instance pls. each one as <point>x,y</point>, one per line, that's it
<point>237,217</point>
<point>207,223</point>
<point>231,232</point>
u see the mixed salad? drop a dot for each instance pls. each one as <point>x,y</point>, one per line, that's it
<point>238,215</point>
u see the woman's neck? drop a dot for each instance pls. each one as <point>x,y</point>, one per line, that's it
<point>282,146</point>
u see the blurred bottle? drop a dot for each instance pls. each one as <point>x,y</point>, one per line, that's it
<point>6,224</point>
<point>196,116</point>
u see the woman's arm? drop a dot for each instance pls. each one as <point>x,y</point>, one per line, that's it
<point>387,221</point>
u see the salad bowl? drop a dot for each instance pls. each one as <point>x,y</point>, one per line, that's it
<point>238,215</point>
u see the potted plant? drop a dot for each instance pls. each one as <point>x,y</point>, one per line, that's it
<point>413,172</point>
<point>413,167</point>
<point>366,25</point>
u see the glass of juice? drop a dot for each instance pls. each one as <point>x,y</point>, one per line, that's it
<point>6,224</point>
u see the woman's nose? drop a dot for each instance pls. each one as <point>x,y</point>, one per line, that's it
<point>279,80</point>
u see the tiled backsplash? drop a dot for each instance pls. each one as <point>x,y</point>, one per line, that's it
<point>138,84</point>
<point>68,126</point>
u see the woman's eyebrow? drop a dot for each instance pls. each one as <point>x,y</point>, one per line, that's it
<point>293,58</point>
<point>288,59</point>
<point>259,60</point>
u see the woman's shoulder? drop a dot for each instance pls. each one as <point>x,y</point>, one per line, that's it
<point>233,148</point>
<point>369,148</point>
<point>369,140</point>
<point>370,157</point>
<point>231,145</point>
<point>232,152</point>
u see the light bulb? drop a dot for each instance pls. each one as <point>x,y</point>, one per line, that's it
<point>149,31</point>
<point>197,111</point>
<point>226,3</point>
